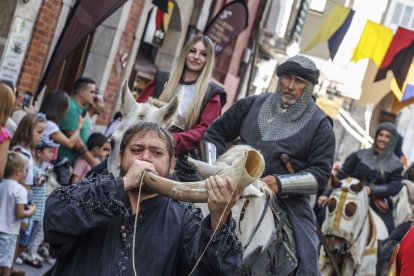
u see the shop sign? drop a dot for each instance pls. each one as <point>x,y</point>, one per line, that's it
<point>16,49</point>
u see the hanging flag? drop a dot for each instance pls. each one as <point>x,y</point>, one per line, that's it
<point>167,17</point>
<point>408,88</point>
<point>163,18</point>
<point>335,40</point>
<point>162,4</point>
<point>162,22</point>
<point>337,17</point>
<point>398,57</point>
<point>86,16</point>
<point>374,42</point>
<point>229,22</point>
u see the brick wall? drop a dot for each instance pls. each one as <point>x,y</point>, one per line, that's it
<point>117,74</point>
<point>39,45</point>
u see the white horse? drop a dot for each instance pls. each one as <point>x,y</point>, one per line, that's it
<point>254,213</point>
<point>351,230</point>
<point>402,203</point>
<point>132,113</point>
<point>250,208</point>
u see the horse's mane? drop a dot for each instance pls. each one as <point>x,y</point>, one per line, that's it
<point>266,190</point>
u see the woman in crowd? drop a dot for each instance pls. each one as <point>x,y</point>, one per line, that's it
<point>380,169</point>
<point>6,109</point>
<point>200,99</point>
<point>54,106</point>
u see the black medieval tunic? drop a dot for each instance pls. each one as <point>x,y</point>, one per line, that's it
<point>311,150</point>
<point>90,230</point>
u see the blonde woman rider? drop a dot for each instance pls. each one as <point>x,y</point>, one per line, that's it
<point>200,99</point>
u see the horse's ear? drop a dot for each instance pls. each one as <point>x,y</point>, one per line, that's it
<point>166,113</point>
<point>357,187</point>
<point>128,103</point>
<point>335,183</point>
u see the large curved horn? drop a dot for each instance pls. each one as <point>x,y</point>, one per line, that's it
<point>203,168</point>
<point>247,170</point>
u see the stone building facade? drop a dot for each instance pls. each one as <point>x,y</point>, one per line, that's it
<point>113,52</point>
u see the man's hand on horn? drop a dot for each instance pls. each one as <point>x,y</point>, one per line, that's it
<point>271,182</point>
<point>220,193</point>
<point>132,178</point>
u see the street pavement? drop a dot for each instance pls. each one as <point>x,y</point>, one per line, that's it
<point>32,271</point>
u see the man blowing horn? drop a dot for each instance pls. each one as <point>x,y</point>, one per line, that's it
<point>90,226</point>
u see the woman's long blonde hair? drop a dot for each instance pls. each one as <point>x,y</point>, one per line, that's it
<point>202,80</point>
<point>6,103</point>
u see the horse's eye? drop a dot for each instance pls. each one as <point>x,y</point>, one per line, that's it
<point>331,205</point>
<point>350,209</point>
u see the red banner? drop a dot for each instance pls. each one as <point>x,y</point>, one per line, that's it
<point>85,17</point>
<point>227,25</point>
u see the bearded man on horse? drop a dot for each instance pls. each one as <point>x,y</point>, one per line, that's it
<point>286,122</point>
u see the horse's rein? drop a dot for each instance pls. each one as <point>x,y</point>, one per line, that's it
<point>212,236</point>
<point>136,220</point>
<point>257,225</point>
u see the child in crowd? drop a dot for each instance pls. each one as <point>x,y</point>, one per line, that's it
<point>13,198</point>
<point>44,154</point>
<point>28,134</point>
<point>97,146</point>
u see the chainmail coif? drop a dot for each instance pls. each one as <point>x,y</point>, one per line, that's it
<point>277,123</point>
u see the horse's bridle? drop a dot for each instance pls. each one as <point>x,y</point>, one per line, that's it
<point>257,225</point>
<point>346,249</point>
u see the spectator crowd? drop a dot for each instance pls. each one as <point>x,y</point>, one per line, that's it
<point>40,151</point>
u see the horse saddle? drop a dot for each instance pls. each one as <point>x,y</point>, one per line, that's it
<point>277,257</point>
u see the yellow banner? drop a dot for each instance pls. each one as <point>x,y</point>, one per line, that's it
<point>332,23</point>
<point>374,43</point>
